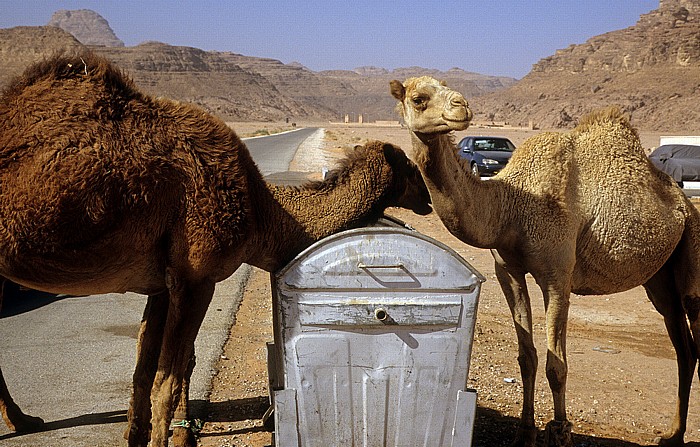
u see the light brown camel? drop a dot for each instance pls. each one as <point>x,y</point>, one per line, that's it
<point>583,211</point>
<point>105,189</point>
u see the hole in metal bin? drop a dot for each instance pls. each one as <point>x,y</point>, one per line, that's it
<point>380,314</point>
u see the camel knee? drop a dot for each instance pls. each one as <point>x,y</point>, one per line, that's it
<point>172,280</point>
<point>528,364</point>
<point>556,374</point>
<point>527,359</point>
<point>692,307</point>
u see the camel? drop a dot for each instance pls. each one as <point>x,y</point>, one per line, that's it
<point>583,212</point>
<point>106,189</point>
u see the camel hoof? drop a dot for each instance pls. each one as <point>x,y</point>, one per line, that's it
<point>136,437</point>
<point>526,437</point>
<point>183,437</point>
<point>24,423</point>
<point>670,440</point>
<point>558,434</point>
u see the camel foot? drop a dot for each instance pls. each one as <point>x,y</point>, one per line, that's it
<point>183,437</point>
<point>23,423</point>
<point>136,437</point>
<point>671,440</point>
<point>526,437</point>
<point>558,434</point>
<point>185,432</point>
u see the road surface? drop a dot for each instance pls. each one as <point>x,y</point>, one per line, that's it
<point>70,360</point>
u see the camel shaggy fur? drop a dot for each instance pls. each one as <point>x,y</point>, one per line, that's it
<point>105,189</point>
<point>582,212</point>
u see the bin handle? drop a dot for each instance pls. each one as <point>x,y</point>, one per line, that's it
<point>362,265</point>
<point>407,279</point>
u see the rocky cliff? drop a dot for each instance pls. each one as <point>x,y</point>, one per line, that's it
<point>87,26</point>
<point>651,69</point>
<point>234,86</point>
<point>24,45</point>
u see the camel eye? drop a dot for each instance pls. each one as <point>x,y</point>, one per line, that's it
<point>419,101</point>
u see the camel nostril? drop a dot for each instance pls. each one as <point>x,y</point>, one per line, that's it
<point>458,101</point>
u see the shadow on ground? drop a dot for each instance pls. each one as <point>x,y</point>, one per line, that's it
<point>18,300</point>
<point>110,417</point>
<point>492,429</point>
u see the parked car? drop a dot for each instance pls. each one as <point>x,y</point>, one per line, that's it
<point>680,161</point>
<point>486,155</point>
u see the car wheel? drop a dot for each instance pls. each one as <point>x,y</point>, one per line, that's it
<point>475,170</point>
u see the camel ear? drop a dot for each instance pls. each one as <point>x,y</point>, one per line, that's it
<point>397,90</point>
<point>392,153</point>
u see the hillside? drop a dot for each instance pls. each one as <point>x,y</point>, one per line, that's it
<point>233,86</point>
<point>651,69</point>
<point>205,78</point>
<point>372,85</point>
<point>24,45</point>
<point>87,26</point>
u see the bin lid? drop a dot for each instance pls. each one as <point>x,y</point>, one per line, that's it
<point>383,257</point>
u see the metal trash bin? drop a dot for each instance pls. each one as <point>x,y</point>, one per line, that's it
<point>373,332</point>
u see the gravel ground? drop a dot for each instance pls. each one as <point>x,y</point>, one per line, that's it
<point>622,372</point>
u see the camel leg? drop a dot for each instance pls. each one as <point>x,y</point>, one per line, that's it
<point>662,292</point>
<point>188,305</point>
<point>515,290</point>
<point>556,301</point>
<point>185,436</point>
<point>13,416</point>
<point>688,277</point>
<point>147,353</point>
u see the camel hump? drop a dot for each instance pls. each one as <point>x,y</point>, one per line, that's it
<point>84,66</point>
<point>607,115</point>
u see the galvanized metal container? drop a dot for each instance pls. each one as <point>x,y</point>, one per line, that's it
<point>373,336</point>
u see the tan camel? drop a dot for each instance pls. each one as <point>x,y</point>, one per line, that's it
<point>583,211</point>
<point>105,189</point>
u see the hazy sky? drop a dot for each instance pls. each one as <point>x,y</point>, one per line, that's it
<point>490,37</point>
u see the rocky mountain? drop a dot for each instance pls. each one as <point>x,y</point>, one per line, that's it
<point>24,45</point>
<point>234,86</point>
<point>372,86</point>
<point>87,26</point>
<point>209,79</point>
<point>651,69</point>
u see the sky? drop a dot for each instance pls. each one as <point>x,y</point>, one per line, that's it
<point>492,37</point>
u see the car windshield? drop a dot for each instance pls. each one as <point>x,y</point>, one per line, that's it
<point>492,144</point>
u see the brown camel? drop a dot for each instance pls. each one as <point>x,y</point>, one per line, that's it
<point>583,211</point>
<point>105,189</point>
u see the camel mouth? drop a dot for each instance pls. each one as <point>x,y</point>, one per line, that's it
<point>457,124</point>
<point>423,210</point>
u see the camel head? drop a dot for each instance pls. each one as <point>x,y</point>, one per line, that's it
<point>412,193</point>
<point>429,107</point>
<point>395,177</point>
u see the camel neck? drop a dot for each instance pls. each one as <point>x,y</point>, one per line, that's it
<point>469,208</point>
<point>307,214</point>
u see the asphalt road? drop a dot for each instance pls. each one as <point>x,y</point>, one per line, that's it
<point>692,189</point>
<point>70,360</point>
